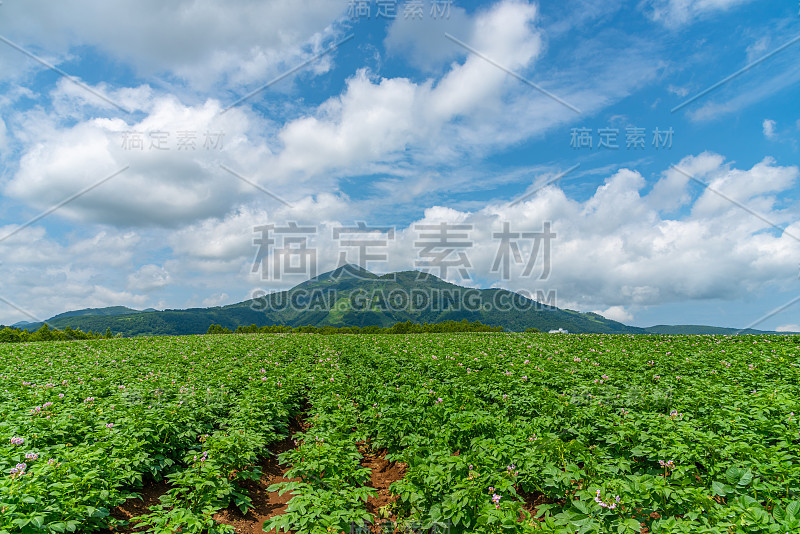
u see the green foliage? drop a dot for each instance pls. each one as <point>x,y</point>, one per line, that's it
<point>398,328</point>
<point>44,333</point>
<point>95,421</point>
<point>496,433</point>
<point>208,484</point>
<point>217,329</point>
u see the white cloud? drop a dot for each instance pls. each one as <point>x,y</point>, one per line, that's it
<point>676,13</point>
<point>149,278</point>
<point>372,122</point>
<point>758,49</point>
<point>169,187</point>
<point>616,313</point>
<point>3,137</point>
<point>46,276</point>
<point>398,129</point>
<point>423,42</point>
<point>769,128</point>
<point>679,91</point>
<point>217,299</point>
<point>73,101</point>
<point>617,249</point>
<point>219,239</point>
<point>32,247</point>
<point>403,139</point>
<point>788,328</point>
<point>57,292</point>
<point>474,108</point>
<point>199,42</point>
<point>746,91</point>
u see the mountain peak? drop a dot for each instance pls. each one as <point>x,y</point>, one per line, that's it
<point>348,270</point>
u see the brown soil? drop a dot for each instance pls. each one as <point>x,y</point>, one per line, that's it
<point>149,496</point>
<point>266,504</point>
<point>532,501</point>
<point>383,473</point>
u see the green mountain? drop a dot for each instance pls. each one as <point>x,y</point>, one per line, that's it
<point>350,296</point>
<point>112,310</point>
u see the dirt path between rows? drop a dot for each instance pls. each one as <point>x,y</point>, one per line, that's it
<point>149,496</point>
<point>382,474</point>
<point>266,504</point>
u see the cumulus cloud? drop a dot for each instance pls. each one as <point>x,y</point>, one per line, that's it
<point>199,43</point>
<point>149,278</point>
<point>399,129</point>
<point>31,247</point>
<point>374,120</point>
<point>46,276</point>
<point>422,41</point>
<point>474,108</point>
<point>180,180</point>
<point>217,299</point>
<point>616,313</point>
<point>630,243</point>
<point>377,119</point>
<point>617,249</point>
<point>167,166</point>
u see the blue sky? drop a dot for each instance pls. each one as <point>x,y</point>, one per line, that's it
<point>135,172</point>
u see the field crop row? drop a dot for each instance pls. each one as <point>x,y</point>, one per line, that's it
<point>495,432</point>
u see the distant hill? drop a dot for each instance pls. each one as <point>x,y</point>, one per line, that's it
<point>112,310</point>
<point>109,311</point>
<point>352,296</point>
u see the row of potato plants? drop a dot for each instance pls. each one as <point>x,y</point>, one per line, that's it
<point>500,432</point>
<point>608,433</point>
<point>85,425</point>
<point>330,490</point>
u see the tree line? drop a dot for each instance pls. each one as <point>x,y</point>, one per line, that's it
<point>9,334</point>
<point>398,328</point>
